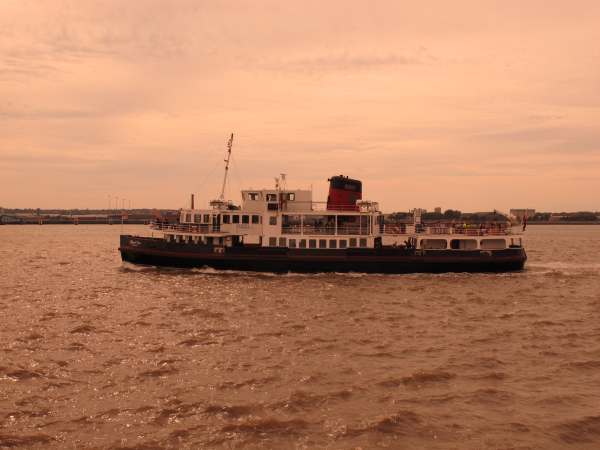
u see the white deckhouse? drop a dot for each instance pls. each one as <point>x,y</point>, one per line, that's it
<point>290,218</point>
<point>286,218</point>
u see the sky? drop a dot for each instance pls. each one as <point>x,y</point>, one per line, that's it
<point>469,104</point>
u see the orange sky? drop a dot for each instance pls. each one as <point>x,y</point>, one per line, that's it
<point>472,105</point>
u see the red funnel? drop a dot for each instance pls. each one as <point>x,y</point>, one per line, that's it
<point>343,193</point>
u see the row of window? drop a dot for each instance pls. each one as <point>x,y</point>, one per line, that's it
<point>317,243</point>
<point>272,197</point>
<point>199,218</point>
<point>225,218</point>
<point>195,239</point>
<point>240,218</point>
<point>464,244</point>
<point>343,222</point>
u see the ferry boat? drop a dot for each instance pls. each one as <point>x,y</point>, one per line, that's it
<point>284,230</point>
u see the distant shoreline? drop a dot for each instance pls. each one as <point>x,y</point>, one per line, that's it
<point>563,223</point>
<point>125,222</point>
<point>146,222</point>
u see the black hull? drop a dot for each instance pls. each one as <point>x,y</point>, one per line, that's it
<point>157,252</point>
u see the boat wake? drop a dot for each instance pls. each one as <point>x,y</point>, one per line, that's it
<point>130,267</point>
<point>210,271</point>
<point>560,265</point>
<point>563,268</point>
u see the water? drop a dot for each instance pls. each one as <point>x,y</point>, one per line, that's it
<point>97,354</point>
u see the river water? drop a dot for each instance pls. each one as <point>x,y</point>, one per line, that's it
<point>99,354</point>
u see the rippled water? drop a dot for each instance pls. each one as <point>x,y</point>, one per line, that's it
<point>98,354</point>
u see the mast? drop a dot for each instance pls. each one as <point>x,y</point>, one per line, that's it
<point>229,145</point>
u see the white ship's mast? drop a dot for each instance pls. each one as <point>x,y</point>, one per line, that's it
<point>220,203</point>
<point>229,145</point>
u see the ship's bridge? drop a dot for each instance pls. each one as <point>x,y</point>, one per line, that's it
<point>264,200</point>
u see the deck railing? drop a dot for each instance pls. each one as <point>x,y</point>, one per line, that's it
<point>200,228</point>
<point>480,230</point>
<point>343,230</point>
<point>351,230</point>
<point>398,228</point>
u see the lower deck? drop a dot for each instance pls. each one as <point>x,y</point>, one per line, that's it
<point>384,259</point>
<point>419,241</point>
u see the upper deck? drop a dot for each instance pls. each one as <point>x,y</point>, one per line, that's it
<point>306,228</point>
<point>282,217</point>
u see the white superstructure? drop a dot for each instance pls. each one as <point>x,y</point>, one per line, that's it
<point>290,218</point>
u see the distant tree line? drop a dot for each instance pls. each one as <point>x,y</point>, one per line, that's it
<point>448,216</point>
<point>493,216</point>
<point>580,216</point>
<point>67,212</point>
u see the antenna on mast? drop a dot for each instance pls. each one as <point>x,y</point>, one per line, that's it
<point>221,203</point>
<point>282,178</point>
<point>229,145</point>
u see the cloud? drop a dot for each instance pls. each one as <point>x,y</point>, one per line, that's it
<point>350,62</point>
<point>564,139</point>
<point>37,114</point>
<point>422,104</point>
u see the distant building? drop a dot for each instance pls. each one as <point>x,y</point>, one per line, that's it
<point>520,213</point>
<point>417,213</point>
<point>437,210</point>
<point>8,219</point>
